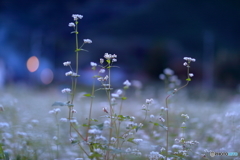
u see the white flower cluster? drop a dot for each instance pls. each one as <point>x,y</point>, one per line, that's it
<point>185,116</point>
<point>55,111</point>
<point>108,57</point>
<point>155,156</point>
<point>137,141</point>
<point>77,16</point>
<point>71,24</point>
<point>133,151</point>
<point>87,41</point>
<point>149,101</point>
<point>101,79</point>
<point>93,64</point>
<point>68,63</point>
<point>71,73</point>
<point>94,131</point>
<point>117,94</point>
<point>66,90</point>
<point>127,83</point>
<point>189,59</point>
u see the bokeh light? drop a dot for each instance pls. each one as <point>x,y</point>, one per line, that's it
<point>32,64</point>
<point>47,76</point>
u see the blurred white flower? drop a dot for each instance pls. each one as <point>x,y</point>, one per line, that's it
<point>93,64</point>
<point>168,71</point>
<point>102,70</point>
<point>127,83</point>
<point>63,119</point>
<point>190,74</point>
<point>149,101</point>
<point>68,63</point>
<point>66,90</point>
<point>71,24</point>
<point>87,41</point>
<point>70,73</point>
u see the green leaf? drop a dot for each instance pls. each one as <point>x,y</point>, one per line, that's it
<point>131,140</point>
<point>108,61</point>
<point>188,79</point>
<point>87,95</point>
<point>124,98</point>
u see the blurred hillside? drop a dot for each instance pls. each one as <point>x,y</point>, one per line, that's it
<point>147,36</point>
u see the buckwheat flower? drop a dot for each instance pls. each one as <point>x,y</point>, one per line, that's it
<point>105,78</point>
<point>175,146</point>
<point>113,139</point>
<point>77,16</point>
<point>70,73</point>
<point>162,149</point>
<point>55,111</point>
<point>63,119</point>
<point>193,60</point>
<point>55,138</point>
<point>68,63</point>
<point>149,101</point>
<point>101,60</point>
<point>74,74</point>
<point>114,60</point>
<point>93,64</point>
<point>66,90</point>
<point>190,74</point>
<point>152,116</point>
<point>185,64</point>
<point>94,131</point>
<point>162,76</point>
<point>155,156</point>
<point>127,83</point>
<point>137,141</point>
<point>100,79</point>
<point>161,119</point>
<point>168,71</point>
<point>107,56</point>
<point>71,24</point>
<point>102,70</point>
<point>115,95</point>
<point>87,41</point>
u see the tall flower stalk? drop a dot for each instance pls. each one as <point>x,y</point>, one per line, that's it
<point>189,75</point>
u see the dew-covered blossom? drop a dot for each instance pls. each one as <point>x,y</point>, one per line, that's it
<point>190,74</point>
<point>127,83</point>
<point>63,119</point>
<point>155,156</point>
<point>149,101</point>
<point>168,71</point>
<point>54,111</point>
<point>71,24</point>
<point>87,41</point>
<point>94,131</point>
<point>77,16</point>
<point>102,70</point>
<point>93,64</point>
<point>66,90</point>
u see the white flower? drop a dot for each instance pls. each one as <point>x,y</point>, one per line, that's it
<point>68,63</point>
<point>66,90</point>
<point>70,73</point>
<point>190,74</point>
<point>77,16</point>
<point>185,64</point>
<point>54,111</point>
<point>168,71</point>
<point>137,141</point>
<point>115,95</point>
<point>63,120</point>
<point>101,61</point>
<point>149,101</point>
<point>114,60</point>
<point>87,41</point>
<point>105,78</point>
<point>183,124</point>
<point>55,138</point>
<point>71,24</point>
<point>155,156</point>
<point>94,131</point>
<point>151,116</point>
<point>102,70</point>
<point>113,139</point>
<point>162,76</point>
<point>127,83</point>
<point>93,64</point>
<point>189,59</point>
<point>107,56</point>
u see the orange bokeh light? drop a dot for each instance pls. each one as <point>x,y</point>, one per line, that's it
<point>32,64</point>
<point>46,76</point>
